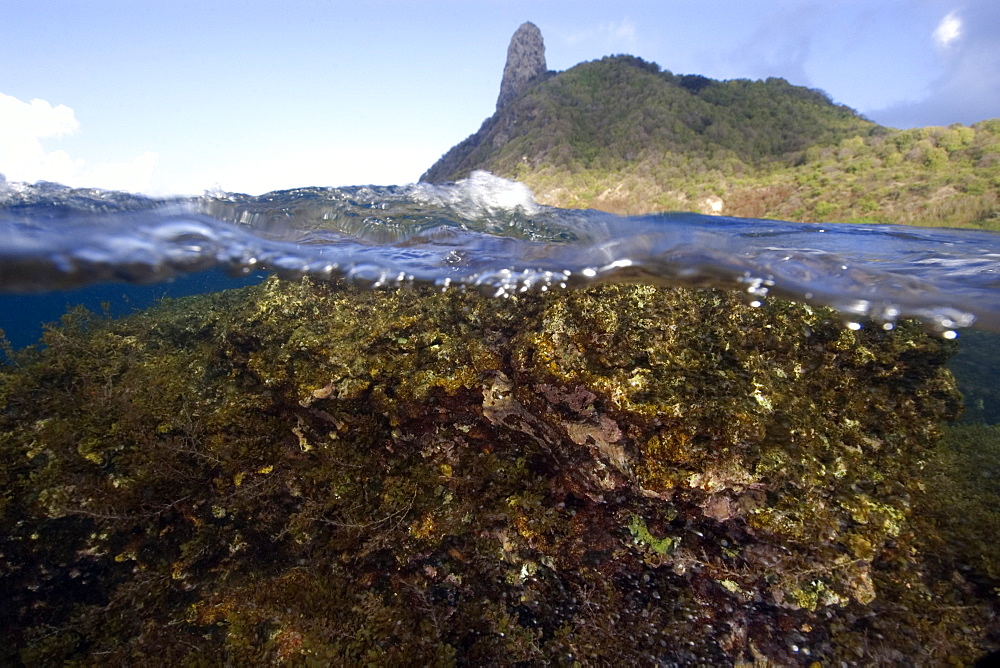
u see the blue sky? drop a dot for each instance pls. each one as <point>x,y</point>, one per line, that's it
<point>180,96</point>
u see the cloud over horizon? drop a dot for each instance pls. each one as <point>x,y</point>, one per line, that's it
<point>25,126</point>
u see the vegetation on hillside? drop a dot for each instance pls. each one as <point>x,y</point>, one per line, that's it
<point>620,135</point>
<point>925,176</point>
<point>604,114</point>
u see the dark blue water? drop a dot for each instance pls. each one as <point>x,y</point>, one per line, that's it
<point>23,317</point>
<point>483,233</point>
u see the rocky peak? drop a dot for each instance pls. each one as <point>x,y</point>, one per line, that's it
<point>525,61</point>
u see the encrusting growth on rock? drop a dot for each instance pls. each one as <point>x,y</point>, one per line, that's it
<point>296,473</point>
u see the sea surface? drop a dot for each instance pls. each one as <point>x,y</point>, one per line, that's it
<point>489,233</point>
<point>120,251</point>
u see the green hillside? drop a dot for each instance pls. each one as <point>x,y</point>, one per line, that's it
<point>619,134</point>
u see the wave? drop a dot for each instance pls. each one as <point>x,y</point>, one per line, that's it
<point>490,234</point>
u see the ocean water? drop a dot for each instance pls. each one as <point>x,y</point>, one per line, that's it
<point>120,251</point>
<point>489,234</point>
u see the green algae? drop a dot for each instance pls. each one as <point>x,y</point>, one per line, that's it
<point>316,474</point>
<point>661,546</point>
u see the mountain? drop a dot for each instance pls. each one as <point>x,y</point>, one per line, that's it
<point>622,135</point>
<point>622,109</point>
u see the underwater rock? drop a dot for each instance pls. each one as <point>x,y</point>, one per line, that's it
<point>312,472</point>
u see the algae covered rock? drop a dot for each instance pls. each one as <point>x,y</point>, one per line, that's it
<point>297,473</point>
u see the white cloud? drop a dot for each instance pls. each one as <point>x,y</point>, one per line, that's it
<point>611,36</point>
<point>22,127</point>
<point>620,31</point>
<point>24,157</point>
<point>948,30</point>
<point>133,176</point>
<point>37,118</point>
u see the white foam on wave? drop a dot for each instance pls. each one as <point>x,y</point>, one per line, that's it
<point>481,193</point>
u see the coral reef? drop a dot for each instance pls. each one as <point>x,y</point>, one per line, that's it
<point>300,473</point>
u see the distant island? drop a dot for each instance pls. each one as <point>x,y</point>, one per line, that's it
<point>623,135</point>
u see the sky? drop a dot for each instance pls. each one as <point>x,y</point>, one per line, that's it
<point>181,96</point>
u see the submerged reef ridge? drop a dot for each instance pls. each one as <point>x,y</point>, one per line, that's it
<point>311,472</point>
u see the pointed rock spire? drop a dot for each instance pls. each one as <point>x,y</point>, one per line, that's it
<point>525,61</point>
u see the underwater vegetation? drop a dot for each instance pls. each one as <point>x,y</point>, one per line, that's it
<point>315,474</point>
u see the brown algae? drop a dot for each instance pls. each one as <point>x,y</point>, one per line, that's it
<point>302,473</point>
